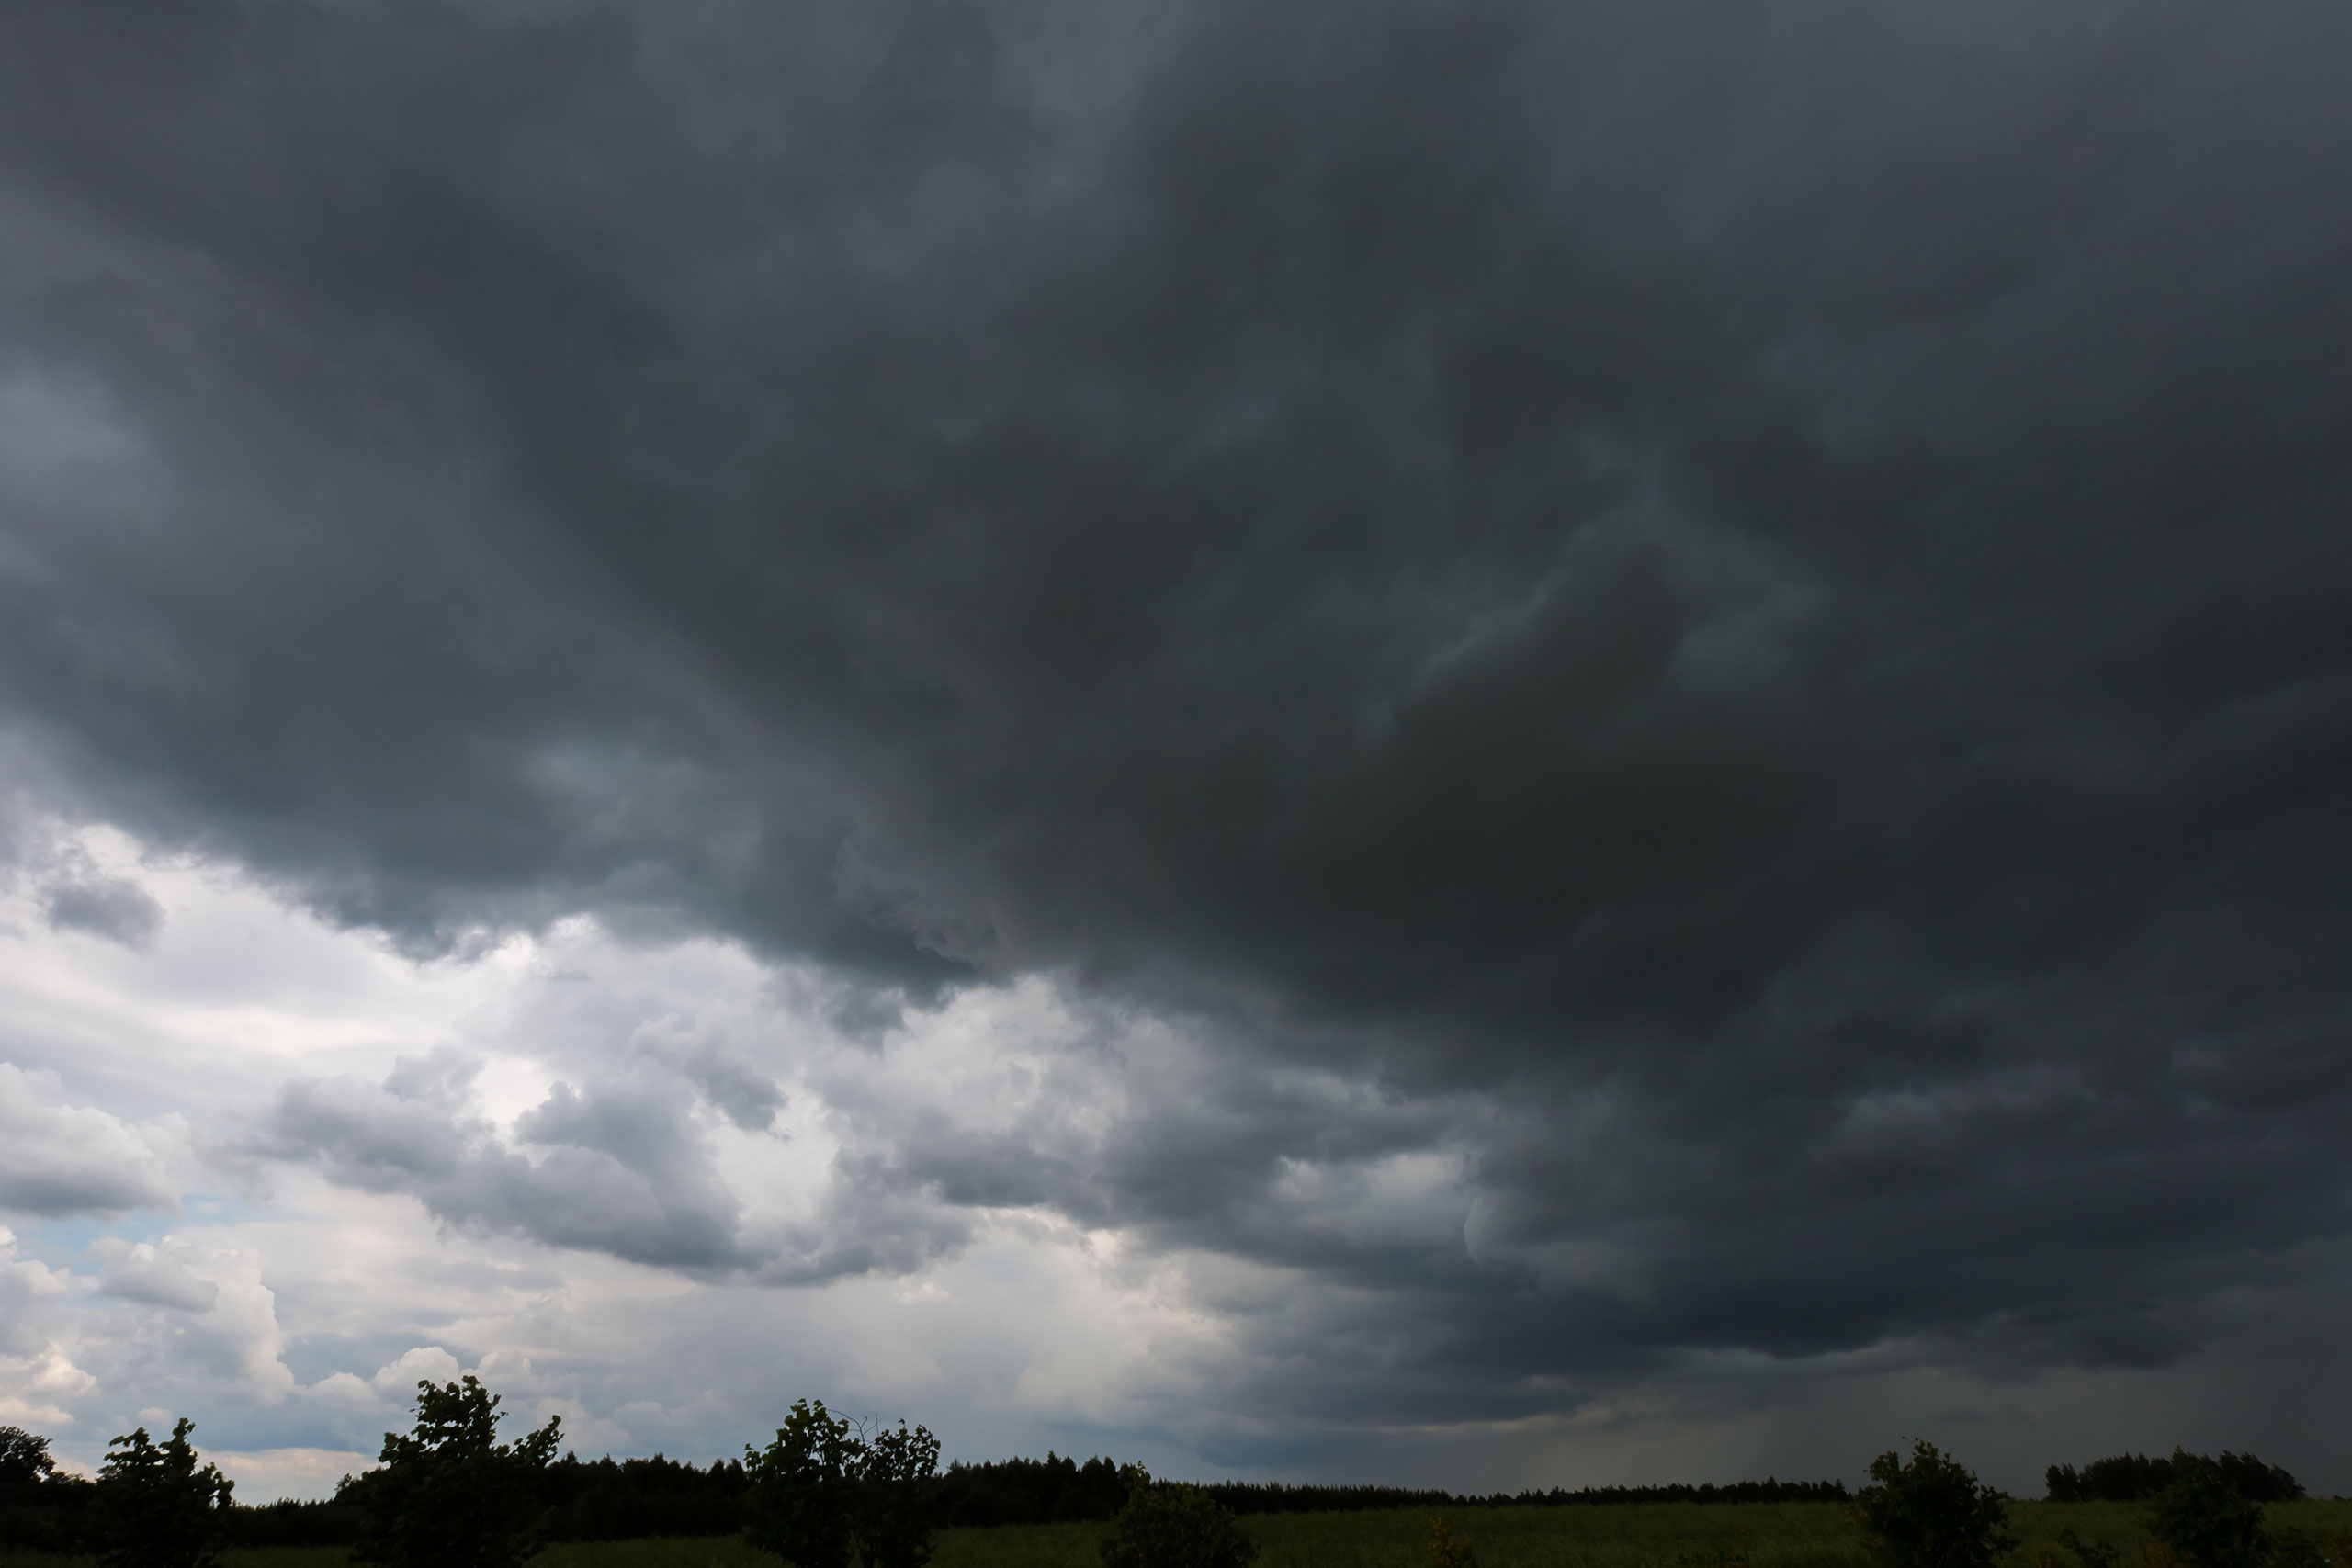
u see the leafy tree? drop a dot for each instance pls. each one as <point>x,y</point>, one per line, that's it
<point>1174,1527</point>
<point>24,1458</point>
<point>157,1508</point>
<point>803,1485</point>
<point>896,1476</point>
<point>450,1495</point>
<point>2257,1481</point>
<point>2135,1478</point>
<point>2206,1519</point>
<point>1931,1513</point>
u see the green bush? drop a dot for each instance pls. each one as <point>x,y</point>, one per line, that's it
<point>2206,1517</point>
<point>1174,1527</point>
<point>1931,1513</point>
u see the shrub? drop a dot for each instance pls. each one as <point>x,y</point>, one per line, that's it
<point>1931,1513</point>
<point>450,1494</point>
<point>157,1509</point>
<point>1174,1527</point>
<point>1447,1550</point>
<point>2206,1519</point>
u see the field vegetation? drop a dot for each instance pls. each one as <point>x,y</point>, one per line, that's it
<point>1669,1535</point>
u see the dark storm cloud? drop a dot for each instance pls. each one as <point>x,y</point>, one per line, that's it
<point>1754,588</point>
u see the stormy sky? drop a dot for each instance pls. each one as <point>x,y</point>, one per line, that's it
<point>1442,740</point>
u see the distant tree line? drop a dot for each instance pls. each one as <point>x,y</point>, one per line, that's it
<point>572,1499</point>
<point>2135,1478</point>
<point>829,1490</point>
<point>1031,1491</point>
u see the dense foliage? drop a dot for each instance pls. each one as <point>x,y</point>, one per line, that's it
<point>1055,1489</point>
<point>2135,1478</point>
<point>827,1489</point>
<point>1052,1490</point>
<point>609,1499</point>
<point>40,1510</point>
<point>800,1503</point>
<point>1931,1513</point>
<point>450,1494</point>
<point>2206,1518</point>
<point>896,1473</point>
<point>24,1458</point>
<point>156,1506</point>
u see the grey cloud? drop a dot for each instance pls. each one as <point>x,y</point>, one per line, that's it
<point>1734,612</point>
<point>158,1281</point>
<point>618,1172</point>
<point>57,1160</point>
<point>749,1099</point>
<point>114,907</point>
<point>616,1167</point>
<point>739,1091</point>
<point>442,1077</point>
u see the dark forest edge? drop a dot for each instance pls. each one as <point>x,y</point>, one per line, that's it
<point>571,1499</point>
<point>2135,1478</point>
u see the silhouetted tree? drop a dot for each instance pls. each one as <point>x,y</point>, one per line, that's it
<point>2135,1478</point>
<point>2206,1520</point>
<point>1931,1513</point>
<point>897,1476</point>
<point>450,1495</point>
<point>157,1507</point>
<point>825,1489</point>
<point>1174,1527</point>
<point>24,1458</point>
<point>803,1500</point>
<point>2257,1481</point>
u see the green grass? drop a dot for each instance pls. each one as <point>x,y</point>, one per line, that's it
<point>1664,1535</point>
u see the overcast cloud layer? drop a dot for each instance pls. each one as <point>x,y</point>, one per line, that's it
<point>1623,721</point>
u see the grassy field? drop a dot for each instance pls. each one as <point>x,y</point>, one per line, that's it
<point>1669,1535</point>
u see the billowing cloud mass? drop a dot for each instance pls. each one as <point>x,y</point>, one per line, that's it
<point>1628,720</point>
<point>57,1160</point>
